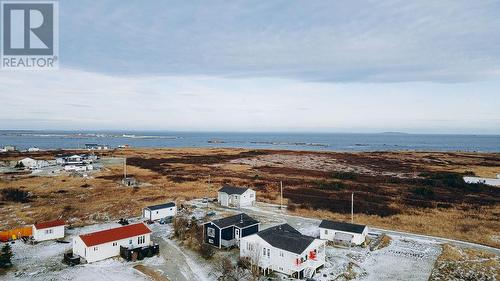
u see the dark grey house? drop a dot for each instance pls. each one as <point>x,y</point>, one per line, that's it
<point>226,232</point>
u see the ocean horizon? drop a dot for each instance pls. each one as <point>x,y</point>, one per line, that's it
<point>386,141</point>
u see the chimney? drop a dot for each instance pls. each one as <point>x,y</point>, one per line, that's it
<point>241,218</point>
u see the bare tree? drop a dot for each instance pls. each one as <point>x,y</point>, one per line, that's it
<point>254,256</point>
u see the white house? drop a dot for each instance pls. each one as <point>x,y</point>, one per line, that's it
<point>160,211</point>
<point>29,163</point>
<point>104,244</point>
<point>232,196</point>
<point>95,146</point>
<point>284,249</point>
<point>32,164</point>
<point>48,230</point>
<point>488,181</point>
<point>9,148</point>
<point>343,232</point>
<point>78,167</point>
<point>33,149</point>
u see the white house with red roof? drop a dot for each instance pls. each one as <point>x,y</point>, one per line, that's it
<point>104,244</point>
<point>48,230</point>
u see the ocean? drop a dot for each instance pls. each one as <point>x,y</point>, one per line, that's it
<point>293,141</point>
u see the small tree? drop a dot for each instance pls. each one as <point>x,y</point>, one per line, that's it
<point>6,256</point>
<point>19,165</point>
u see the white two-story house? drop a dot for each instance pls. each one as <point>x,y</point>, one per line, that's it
<point>232,196</point>
<point>283,249</point>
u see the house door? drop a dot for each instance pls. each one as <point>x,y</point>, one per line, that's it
<point>237,234</point>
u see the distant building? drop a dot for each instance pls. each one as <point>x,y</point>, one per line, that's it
<point>227,232</point>
<point>70,159</point>
<point>105,244</point>
<point>48,230</point>
<point>95,146</point>
<point>130,181</point>
<point>160,211</point>
<point>488,181</point>
<point>342,232</point>
<point>78,167</point>
<point>283,249</point>
<point>9,148</point>
<point>232,196</point>
<point>33,164</point>
<point>27,162</point>
<point>33,149</point>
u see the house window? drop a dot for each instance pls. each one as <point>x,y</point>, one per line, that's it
<point>157,212</point>
<point>130,241</point>
<point>141,239</point>
<point>251,195</point>
<point>95,249</point>
<point>114,244</point>
<point>268,253</point>
<point>48,231</point>
<point>281,254</point>
<point>264,252</point>
<point>210,232</point>
<point>250,247</point>
<point>326,231</point>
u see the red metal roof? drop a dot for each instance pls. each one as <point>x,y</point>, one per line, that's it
<point>49,224</point>
<point>114,234</point>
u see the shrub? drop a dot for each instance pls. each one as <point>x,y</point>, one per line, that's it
<point>243,262</point>
<point>344,175</point>
<point>207,251</point>
<point>14,195</point>
<point>425,191</point>
<point>326,185</point>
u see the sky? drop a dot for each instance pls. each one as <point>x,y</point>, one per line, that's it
<point>304,66</point>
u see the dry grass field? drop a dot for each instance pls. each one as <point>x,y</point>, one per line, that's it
<point>409,191</point>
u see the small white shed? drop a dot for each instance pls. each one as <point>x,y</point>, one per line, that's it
<point>343,232</point>
<point>48,230</point>
<point>232,196</point>
<point>160,211</point>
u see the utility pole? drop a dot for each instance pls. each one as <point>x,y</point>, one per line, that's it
<point>208,188</point>
<point>281,197</point>
<point>352,207</point>
<point>125,167</point>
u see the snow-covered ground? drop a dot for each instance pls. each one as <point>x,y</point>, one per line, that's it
<point>407,257</point>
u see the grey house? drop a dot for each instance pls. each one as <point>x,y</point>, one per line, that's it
<point>226,232</point>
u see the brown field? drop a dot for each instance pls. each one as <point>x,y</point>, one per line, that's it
<point>394,190</point>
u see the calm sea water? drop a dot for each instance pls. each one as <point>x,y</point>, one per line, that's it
<point>294,141</point>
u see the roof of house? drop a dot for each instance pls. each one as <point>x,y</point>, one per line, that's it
<point>240,220</point>
<point>49,224</point>
<point>114,234</point>
<point>161,206</point>
<point>342,226</point>
<point>286,238</point>
<point>229,189</point>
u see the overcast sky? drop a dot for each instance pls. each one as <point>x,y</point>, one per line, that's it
<point>329,66</point>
